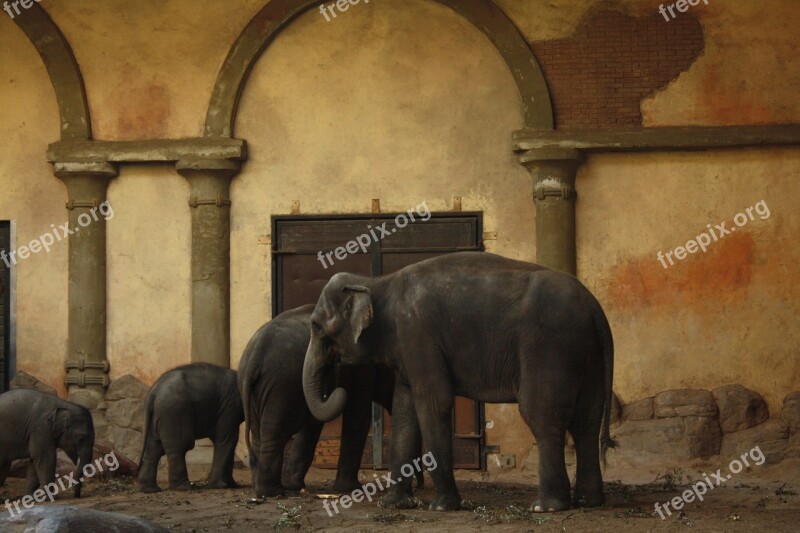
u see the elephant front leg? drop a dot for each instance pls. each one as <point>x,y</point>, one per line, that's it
<point>41,470</point>
<point>405,444</point>
<point>5,468</point>
<point>356,421</point>
<point>435,414</point>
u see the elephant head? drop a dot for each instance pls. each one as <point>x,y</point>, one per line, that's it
<point>343,312</point>
<point>74,431</point>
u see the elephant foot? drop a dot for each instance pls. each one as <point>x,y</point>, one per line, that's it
<point>446,502</point>
<point>218,484</point>
<point>589,500</point>
<point>181,485</point>
<point>270,492</point>
<point>346,486</point>
<point>397,499</point>
<point>549,505</point>
<point>149,489</point>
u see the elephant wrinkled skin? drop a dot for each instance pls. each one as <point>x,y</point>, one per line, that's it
<point>487,328</point>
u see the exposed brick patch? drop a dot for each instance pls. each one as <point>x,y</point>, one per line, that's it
<point>599,76</point>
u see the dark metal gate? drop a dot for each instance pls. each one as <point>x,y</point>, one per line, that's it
<point>299,276</point>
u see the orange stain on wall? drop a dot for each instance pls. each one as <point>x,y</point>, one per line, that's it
<point>722,274</point>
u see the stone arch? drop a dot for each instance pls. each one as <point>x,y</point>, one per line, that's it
<point>276,15</point>
<point>63,70</point>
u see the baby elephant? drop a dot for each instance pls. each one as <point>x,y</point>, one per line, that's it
<point>187,403</point>
<point>33,425</point>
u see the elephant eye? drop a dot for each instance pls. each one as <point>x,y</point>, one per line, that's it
<point>317,329</point>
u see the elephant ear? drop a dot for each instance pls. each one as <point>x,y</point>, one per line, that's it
<point>359,311</point>
<point>61,422</point>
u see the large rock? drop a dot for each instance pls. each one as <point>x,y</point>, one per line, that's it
<point>703,436</point>
<point>126,387</point>
<point>58,519</point>
<point>684,402</point>
<point>638,410</point>
<point>23,380</point>
<point>126,441</point>
<point>127,413</point>
<point>739,408</point>
<point>791,412</point>
<point>772,438</point>
<point>663,437</point>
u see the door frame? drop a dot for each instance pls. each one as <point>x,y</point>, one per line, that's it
<point>10,319</point>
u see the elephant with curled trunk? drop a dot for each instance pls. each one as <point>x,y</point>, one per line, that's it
<point>270,381</point>
<point>487,328</point>
<point>34,425</point>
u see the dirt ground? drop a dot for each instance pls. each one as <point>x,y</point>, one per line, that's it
<point>765,498</point>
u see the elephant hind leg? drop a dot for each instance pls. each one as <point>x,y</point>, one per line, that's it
<point>585,430</point>
<point>301,455</point>
<point>548,419</point>
<point>148,469</point>
<point>222,464</point>
<point>176,459</point>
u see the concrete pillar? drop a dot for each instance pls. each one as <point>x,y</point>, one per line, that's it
<point>553,171</point>
<point>211,211</point>
<point>87,366</point>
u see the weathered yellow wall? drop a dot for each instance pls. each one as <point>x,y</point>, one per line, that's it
<point>31,195</point>
<point>406,102</point>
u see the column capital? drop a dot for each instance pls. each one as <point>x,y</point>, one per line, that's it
<point>93,169</point>
<point>534,156</point>
<point>221,168</point>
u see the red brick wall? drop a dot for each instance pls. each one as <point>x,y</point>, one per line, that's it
<point>598,77</point>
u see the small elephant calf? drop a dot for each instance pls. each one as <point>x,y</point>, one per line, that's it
<point>33,425</point>
<point>187,403</point>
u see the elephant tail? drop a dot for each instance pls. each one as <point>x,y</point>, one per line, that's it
<point>607,347</point>
<point>149,403</point>
<point>246,389</point>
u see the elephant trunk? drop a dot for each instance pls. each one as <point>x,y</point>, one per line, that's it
<point>313,378</point>
<point>84,457</point>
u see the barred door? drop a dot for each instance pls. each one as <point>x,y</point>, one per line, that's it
<point>298,278</point>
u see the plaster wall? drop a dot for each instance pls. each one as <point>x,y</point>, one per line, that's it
<point>406,102</point>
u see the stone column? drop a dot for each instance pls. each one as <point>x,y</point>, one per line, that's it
<point>553,171</point>
<point>211,211</point>
<point>87,366</point>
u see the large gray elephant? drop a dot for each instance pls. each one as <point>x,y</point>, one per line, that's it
<point>34,425</point>
<point>485,327</point>
<point>270,380</point>
<point>187,403</point>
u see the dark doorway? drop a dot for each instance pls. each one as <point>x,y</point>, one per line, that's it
<point>5,306</point>
<point>299,276</point>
